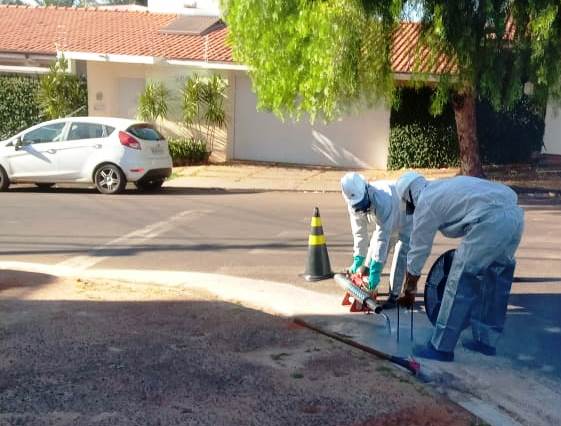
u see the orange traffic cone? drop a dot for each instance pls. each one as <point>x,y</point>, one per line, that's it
<point>319,267</point>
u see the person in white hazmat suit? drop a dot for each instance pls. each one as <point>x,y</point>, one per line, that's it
<point>486,215</point>
<point>377,203</point>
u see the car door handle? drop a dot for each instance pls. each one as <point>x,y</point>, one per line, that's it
<point>97,146</point>
<point>51,151</point>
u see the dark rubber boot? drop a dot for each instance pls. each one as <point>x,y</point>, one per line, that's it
<point>428,351</point>
<point>475,346</point>
<point>391,303</point>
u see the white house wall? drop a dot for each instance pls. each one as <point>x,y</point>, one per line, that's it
<point>359,141</point>
<point>104,87</point>
<point>114,89</point>
<point>552,135</point>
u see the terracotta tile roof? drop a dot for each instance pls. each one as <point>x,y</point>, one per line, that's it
<point>40,30</point>
<point>404,53</point>
<point>44,30</point>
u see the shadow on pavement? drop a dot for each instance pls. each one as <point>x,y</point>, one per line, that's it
<point>536,279</point>
<point>148,248</point>
<point>166,191</point>
<point>20,280</point>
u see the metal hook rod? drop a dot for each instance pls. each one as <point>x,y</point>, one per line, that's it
<point>398,323</point>
<point>411,323</point>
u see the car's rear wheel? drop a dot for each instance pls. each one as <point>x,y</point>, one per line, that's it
<point>109,179</point>
<point>151,185</point>
<point>43,185</point>
<point>4,180</point>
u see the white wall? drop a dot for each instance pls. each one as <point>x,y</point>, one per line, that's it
<point>552,135</point>
<point>105,82</point>
<point>184,6</point>
<point>114,89</point>
<point>357,141</point>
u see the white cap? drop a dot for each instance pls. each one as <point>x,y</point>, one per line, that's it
<point>353,186</point>
<point>404,183</point>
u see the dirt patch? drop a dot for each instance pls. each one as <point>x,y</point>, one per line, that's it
<point>105,353</point>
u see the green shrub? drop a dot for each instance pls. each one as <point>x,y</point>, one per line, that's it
<point>153,102</point>
<point>418,139</point>
<point>423,146</point>
<point>61,93</point>
<point>19,106</point>
<point>187,151</point>
<point>203,106</point>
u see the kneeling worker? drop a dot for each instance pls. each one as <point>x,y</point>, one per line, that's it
<point>487,216</point>
<point>378,203</point>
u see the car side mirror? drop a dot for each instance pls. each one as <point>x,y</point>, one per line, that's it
<point>18,144</point>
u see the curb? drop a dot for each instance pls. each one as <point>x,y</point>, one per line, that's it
<point>530,192</point>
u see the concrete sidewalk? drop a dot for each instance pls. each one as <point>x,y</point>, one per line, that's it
<point>271,177</point>
<point>534,181</point>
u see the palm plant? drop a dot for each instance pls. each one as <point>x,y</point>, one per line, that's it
<point>192,95</point>
<point>152,103</point>
<point>203,107</point>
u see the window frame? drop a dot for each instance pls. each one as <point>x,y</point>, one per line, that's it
<point>104,133</point>
<point>62,134</point>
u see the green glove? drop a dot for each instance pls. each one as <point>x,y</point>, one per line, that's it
<point>357,263</point>
<point>374,277</point>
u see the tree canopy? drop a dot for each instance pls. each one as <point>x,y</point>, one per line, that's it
<point>319,57</point>
<point>328,57</point>
<point>499,46</point>
<point>323,56</point>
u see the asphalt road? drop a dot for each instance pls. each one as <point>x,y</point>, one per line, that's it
<point>256,235</point>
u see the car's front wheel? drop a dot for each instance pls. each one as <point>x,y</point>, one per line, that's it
<point>151,185</point>
<point>109,179</point>
<point>4,180</point>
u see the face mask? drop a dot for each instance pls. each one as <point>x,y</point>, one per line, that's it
<point>409,205</point>
<point>363,205</point>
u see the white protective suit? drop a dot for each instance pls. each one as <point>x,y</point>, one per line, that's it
<point>392,227</point>
<point>488,218</point>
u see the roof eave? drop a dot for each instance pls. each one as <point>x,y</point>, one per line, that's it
<point>149,60</point>
<point>18,69</point>
<point>107,57</point>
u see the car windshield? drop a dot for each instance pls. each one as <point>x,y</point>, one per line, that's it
<point>145,132</point>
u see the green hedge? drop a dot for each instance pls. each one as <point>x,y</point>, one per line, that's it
<point>423,146</point>
<point>418,139</point>
<point>186,152</point>
<point>19,107</point>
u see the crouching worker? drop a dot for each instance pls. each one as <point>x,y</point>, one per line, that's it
<point>487,217</point>
<point>377,203</point>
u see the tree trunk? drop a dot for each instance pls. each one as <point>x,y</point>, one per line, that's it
<point>466,125</point>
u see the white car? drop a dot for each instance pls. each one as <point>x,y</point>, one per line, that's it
<point>106,151</point>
